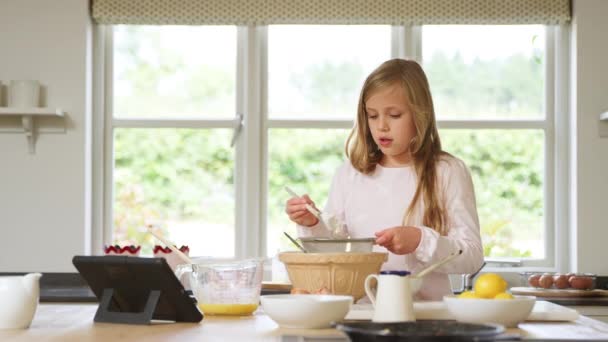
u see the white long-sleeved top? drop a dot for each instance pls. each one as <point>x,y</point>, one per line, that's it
<point>369,203</point>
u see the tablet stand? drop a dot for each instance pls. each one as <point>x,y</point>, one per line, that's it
<point>136,290</point>
<point>104,314</point>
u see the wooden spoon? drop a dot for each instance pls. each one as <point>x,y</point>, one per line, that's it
<point>437,264</point>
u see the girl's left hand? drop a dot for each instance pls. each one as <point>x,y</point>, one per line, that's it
<point>399,240</point>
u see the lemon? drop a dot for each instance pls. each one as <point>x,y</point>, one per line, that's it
<point>503,295</point>
<point>488,285</point>
<point>468,294</point>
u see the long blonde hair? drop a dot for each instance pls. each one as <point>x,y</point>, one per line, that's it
<point>425,147</point>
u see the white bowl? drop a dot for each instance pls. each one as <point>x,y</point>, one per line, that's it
<point>306,311</point>
<point>508,312</point>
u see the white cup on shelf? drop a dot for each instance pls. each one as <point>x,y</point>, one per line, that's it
<point>24,94</point>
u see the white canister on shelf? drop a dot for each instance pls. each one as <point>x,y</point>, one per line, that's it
<point>24,94</point>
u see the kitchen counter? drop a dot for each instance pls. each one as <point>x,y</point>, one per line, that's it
<point>74,322</point>
<point>577,301</point>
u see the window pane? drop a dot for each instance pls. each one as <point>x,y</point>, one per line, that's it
<point>485,71</point>
<point>318,71</point>
<point>179,179</point>
<point>305,160</point>
<point>174,71</point>
<point>508,172</point>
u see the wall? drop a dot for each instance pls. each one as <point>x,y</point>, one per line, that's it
<point>44,197</point>
<point>590,151</point>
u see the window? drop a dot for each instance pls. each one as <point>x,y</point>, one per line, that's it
<point>489,88</point>
<point>315,74</point>
<point>178,91</point>
<point>173,164</point>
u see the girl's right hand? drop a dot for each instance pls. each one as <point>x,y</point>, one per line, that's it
<point>296,209</point>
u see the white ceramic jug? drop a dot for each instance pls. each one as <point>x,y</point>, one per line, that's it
<point>18,300</point>
<point>393,301</point>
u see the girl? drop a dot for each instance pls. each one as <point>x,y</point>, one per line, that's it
<point>399,186</point>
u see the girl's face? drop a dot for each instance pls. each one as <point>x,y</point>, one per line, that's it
<point>391,124</point>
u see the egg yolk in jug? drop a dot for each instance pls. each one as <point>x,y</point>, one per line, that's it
<point>228,309</point>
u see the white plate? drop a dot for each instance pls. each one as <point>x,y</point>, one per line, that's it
<point>542,311</point>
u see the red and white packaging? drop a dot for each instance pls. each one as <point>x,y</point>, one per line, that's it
<point>130,250</point>
<point>172,258</point>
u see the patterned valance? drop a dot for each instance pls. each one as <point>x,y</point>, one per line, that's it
<point>384,12</point>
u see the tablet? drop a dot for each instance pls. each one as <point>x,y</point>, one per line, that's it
<point>136,290</point>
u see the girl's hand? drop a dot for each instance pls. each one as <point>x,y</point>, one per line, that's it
<point>296,209</point>
<point>399,240</point>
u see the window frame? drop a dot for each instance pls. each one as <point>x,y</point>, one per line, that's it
<point>251,148</point>
<point>555,180</point>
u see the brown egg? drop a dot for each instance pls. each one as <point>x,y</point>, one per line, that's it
<point>546,281</point>
<point>324,290</point>
<point>581,282</point>
<point>533,280</point>
<point>297,290</point>
<point>561,281</point>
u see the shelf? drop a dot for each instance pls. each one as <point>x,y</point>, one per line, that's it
<point>604,116</point>
<point>27,119</point>
<point>31,111</point>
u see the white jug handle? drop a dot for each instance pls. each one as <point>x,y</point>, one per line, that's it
<point>368,289</point>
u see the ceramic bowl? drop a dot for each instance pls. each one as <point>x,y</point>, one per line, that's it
<point>340,273</point>
<point>306,311</point>
<point>508,312</point>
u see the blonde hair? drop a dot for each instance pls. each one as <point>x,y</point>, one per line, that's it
<point>425,147</point>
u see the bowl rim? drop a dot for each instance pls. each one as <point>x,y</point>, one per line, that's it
<point>330,240</point>
<point>516,298</point>
<point>318,298</point>
<point>211,263</point>
<point>296,257</point>
<point>329,253</point>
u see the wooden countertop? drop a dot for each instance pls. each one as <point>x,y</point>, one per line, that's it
<point>74,322</point>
